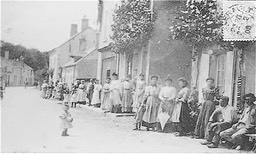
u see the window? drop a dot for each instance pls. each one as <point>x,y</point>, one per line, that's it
<point>108,74</point>
<point>82,44</point>
<point>220,74</point>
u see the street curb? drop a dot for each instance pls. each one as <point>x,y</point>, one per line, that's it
<point>100,112</point>
<point>108,114</point>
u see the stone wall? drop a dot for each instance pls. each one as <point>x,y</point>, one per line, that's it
<point>168,56</point>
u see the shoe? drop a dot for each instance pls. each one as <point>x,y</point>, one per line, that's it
<point>233,147</point>
<point>136,126</point>
<point>139,125</point>
<point>206,143</point>
<point>212,146</point>
<point>63,133</point>
<point>239,147</point>
<point>179,134</point>
<point>147,129</point>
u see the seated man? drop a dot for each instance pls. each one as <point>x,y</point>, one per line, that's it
<point>221,119</point>
<point>246,124</point>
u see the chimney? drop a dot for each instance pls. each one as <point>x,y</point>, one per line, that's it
<point>6,54</point>
<point>85,23</point>
<point>73,30</point>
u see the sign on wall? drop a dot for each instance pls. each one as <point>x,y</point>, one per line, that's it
<point>240,20</point>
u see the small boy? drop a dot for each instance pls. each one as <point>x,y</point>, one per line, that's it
<point>66,120</point>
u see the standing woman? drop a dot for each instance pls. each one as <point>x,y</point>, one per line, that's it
<point>167,96</point>
<point>44,89</point>
<point>81,93</point>
<point>73,94</point>
<point>127,88</point>
<point>115,94</point>
<point>152,104</point>
<point>105,103</point>
<point>181,111</point>
<point>210,94</point>
<point>89,90</point>
<point>139,93</point>
<point>96,94</point>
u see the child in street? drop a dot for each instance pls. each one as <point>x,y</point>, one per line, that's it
<point>66,120</point>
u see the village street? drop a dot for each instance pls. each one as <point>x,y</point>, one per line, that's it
<point>30,124</point>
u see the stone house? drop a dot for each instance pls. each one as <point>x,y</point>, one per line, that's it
<point>83,69</point>
<point>76,47</point>
<point>107,60</point>
<point>15,73</point>
<point>160,57</point>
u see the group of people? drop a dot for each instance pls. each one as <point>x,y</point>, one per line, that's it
<point>166,109</point>
<point>53,90</point>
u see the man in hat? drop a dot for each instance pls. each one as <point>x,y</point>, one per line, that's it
<point>246,124</point>
<point>221,119</point>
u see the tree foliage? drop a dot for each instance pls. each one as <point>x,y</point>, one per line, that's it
<point>199,23</point>
<point>133,25</point>
<point>32,57</point>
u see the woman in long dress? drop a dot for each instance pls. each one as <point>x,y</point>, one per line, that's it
<point>73,94</point>
<point>210,95</point>
<point>138,106</point>
<point>139,93</point>
<point>96,94</point>
<point>180,115</point>
<point>105,103</point>
<point>152,104</point>
<point>90,89</point>
<point>49,90</point>
<point>44,89</point>
<point>81,93</point>
<point>115,94</point>
<point>167,96</point>
<point>127,89</point>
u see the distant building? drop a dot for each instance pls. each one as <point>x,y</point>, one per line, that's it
<point>84,68</point>
<point>15,73</point>
<point>79,45</point>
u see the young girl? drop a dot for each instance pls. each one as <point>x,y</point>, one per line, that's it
<point>66,120</point>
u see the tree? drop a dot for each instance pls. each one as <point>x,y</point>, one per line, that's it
<point>32,57</point>
<point>133,25</point>
<point>199,24</point>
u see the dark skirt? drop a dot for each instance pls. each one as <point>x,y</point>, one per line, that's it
<point>117,109</point>
<point>149,125</point>
<point>139,115</point>
<point>90,93</point>
<point>203,118</point>
<point>185,118</point>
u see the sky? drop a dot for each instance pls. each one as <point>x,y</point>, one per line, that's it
<point>44,24</point>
